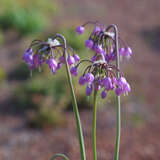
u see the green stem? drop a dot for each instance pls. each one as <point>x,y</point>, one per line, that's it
<point>74,102</point>
<point>94,127</point>
<point>60,155</point>
<point>118,130</point>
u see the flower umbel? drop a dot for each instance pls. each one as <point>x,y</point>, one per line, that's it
<point>100,74</point>
<point>50,52</point>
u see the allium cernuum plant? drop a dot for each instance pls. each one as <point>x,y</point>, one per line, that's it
<point>51,53</point>
<point>100,74</point>
<point>103,73</point>
<point>55,52</point>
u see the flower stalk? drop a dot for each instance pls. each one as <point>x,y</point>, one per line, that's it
<point>74,102</point>
<point>55,53</point>
<point>118,112</point>
<point>101,74</point>
<point>94,126</point>
<point>104,73</point>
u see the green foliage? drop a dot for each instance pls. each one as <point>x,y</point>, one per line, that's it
<point>2,74</point>
<point>29,95</point>
<point>1,37</point>
<point>21,72</point>
<point>137,119</point>
<point>75,41</point>
<point>26,17</point>
<point>45,118</point>
<point>43,99</point>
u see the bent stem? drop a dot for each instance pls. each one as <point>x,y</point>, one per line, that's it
<point>74,102</point>
<point>118,134</point>
<point>94,127</point>
<point>60,155</point>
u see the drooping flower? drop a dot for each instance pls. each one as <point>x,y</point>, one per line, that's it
<point>27,56</point>
<point>82,80</point>
<point>70,60</point>
<point>97,29</point>
<point>74,71</point>
<point>89,77</point>
<point>89,43</point>
<point>80,29</point>
<point>62,59</point>
<point>98,49</point>
<point>89,90</point>
<point>103,94</point>
<point>76,57</point>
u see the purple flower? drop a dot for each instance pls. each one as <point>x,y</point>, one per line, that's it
<point>127,88</point>
<point>80,29</point>
<point>32,66</point>
<point>89,77</point>
<point>74,71</point>
<point>97,84</point>
<point>82,80</point>
<point>113,56</point>
<point>122,51</point>
<point>107,58</point>
<point>97,87</point>
<point>121,81</point>
<point>123,85</point>
<point>62,59</point>
<point>97,29</point>
<point>114,81</point>
<point>27,56</point>
<point>37,61</point>
<point>53,70</point>
<point>125,51</point>
<point>52,63</point>
<point>89,43</point>
<point>98,49</point>
<point>103,94</point>
<point>107,83</point>
<point>118,91</point>
<point>94,58</point>
<point>70,60</point>
<point>128,51</point>
<point>76,57</point>
<point>59,66</point>
<point>89,90</point>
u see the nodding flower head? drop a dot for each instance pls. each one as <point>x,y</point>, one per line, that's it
<point>102,39</point>
<point>101,72</point>
<point>51,52</point>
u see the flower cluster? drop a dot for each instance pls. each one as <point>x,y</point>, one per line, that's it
<point>50,53</point>
<point>99,42</point>
<point>100,74</point>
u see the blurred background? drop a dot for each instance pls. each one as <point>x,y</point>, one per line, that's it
<point>36,118</point>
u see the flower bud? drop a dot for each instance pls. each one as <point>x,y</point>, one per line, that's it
<point>80,29</point>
